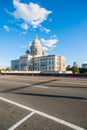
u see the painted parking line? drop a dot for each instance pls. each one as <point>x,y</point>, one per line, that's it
<point>44,115</point>
<point>36,86</point>
<point>21,121</point>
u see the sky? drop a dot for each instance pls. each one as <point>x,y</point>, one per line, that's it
<point>61,26</point>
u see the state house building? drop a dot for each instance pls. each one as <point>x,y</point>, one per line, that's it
<point>35,59</point>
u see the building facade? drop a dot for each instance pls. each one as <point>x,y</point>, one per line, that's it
<point>35,59</point>
<point>84,65</point>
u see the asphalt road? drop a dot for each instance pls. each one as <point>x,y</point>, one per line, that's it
<point>42,103</point>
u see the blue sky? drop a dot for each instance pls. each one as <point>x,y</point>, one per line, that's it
<point>61,26</point>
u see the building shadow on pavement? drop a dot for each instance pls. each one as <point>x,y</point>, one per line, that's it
<point>51,96</point>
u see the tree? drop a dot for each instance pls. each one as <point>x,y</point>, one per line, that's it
<point>68,68</point>
<point>1,69</point>
<point>8,69</point>
<point>75,68</point>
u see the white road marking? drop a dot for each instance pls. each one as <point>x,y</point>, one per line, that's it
<point>27,84</point>
<point>44,115</point>
<point>21,121</point>
<point>36,86</point>
<point>40,86</point>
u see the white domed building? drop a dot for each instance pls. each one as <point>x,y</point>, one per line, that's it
<point>36,48</point>
<point>35,59</point>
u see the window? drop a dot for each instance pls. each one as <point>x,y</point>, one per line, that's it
<point>52,67</point>
<point>52,62</point>
<point>49,63</point>
<point>49,68</point>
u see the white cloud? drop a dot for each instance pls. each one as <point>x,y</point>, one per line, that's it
<point>45,48</point>
<point>49,43</point>
<point>43,29</point>
<point>25,26</point>
<point>53,37</point>
<point>32,14</point>
<point>6,28</point>
<point>46,30</point>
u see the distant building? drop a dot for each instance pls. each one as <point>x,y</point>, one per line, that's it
<point>84,65</point>
<point>35,59</point>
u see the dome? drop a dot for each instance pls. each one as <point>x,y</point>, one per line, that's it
<point>36,41</point>
<point>36,48</point>
<point>27,51</point>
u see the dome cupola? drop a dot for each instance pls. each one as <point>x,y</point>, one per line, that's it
<point>36,48</point>
<point>36,41</point>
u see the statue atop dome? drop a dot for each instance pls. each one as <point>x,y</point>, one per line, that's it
<point>36,37</point>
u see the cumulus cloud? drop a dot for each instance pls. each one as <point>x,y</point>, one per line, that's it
<point>6,28</point>
<point>46,30</point>
<point>45,48</point>
<point>43,29</point>
<point>25,26</point>
<point>32,14</point>
<point>48,44</point>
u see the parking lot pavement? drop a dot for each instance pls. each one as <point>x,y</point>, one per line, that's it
<point>37,122</point>
<point>9,114</point>
<point>43,104</point>
<point>15,117</point>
